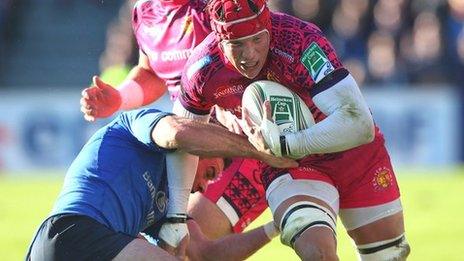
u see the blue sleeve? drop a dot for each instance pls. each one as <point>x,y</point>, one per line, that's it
<point>140,124</point>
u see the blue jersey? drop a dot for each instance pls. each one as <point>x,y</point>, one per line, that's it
<point>119,177</point>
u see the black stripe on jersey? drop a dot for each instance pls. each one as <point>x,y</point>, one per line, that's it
<point>329,81</point>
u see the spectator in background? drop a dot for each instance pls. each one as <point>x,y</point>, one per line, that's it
<point>423,50</point>
<point>382,65</point>
<point>348,37</point>
<point>120,53</point>
<point>453,31</point>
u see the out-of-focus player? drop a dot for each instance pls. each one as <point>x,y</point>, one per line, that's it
<point>118,185</point>
<point>346,169</point>
<point>165,42</point>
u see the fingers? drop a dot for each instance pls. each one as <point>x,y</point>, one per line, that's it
<point>267,110</point>
<point>100,84</point>
<point>182,248</point>
<point>168,248</point>
<point>284,163</point>
<point>247,123</point>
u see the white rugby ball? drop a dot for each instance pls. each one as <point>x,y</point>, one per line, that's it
<point>289,111</point>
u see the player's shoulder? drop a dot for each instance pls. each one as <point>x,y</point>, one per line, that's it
<point>204,61</point>
<point>292,35</point>
<point>199,4</point>
<point>147,12</point>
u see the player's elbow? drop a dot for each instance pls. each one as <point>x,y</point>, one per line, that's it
<point>366,129</point>
<point>168,132</point>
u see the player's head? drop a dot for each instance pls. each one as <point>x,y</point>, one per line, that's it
<point>243,28</point>
<point>208,169</point>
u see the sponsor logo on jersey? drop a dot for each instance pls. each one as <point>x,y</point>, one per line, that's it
<point>283,54</point>
<point>151,188</point>
<point>316,62</point>
<point>170,56</point>
<point>282,112</point>
<point>228,90</point>
<point>195,67</point>
<point>382,179</point>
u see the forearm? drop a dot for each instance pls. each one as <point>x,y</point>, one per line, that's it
<point>141,87</point>
<point>348,124</point>
<point>181,168</point>
<point>213,141</point>
<point>235,246</point>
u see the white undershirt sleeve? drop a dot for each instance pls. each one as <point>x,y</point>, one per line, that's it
<point>348,124</point>
<point>181,169</point>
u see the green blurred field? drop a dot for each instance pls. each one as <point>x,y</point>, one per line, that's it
<point>433,202</point>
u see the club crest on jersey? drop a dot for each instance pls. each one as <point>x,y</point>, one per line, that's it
<point>316,62</point>
<point>187,26</point>
<point>382,179</point>
<point>161,201</point>
<point>282,111</point>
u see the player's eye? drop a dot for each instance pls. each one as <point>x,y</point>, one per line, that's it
<point>210,173</point>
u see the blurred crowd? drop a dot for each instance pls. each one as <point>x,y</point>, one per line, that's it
<point>382,42</point>
<point>5,6</point>
<point>388,42</point>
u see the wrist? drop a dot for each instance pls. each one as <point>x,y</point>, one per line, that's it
<point>270,230</point>
<point>131,95</point>
<point>176,218</point>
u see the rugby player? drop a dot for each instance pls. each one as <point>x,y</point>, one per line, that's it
<point>165,42</point>
<point>118,185</point>
<point>345,170</point>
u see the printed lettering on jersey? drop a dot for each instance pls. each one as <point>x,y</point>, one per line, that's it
<point>195,67</point>
<point>317,63</point>
<point>227,90</point>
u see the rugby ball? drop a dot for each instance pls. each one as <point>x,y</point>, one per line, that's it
<point>289,111</point>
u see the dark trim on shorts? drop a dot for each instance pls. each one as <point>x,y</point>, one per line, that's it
<point>70,237</point>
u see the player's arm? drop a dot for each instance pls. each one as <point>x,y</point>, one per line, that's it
<point>230,247</point>
<point>141,87</point>
<point>348,124</point>
<point>209,140</point>
<point>202,139</point>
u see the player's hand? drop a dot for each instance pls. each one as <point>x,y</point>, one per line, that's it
<point>228,120</point>
<point>180,251</point>
<point>173,233</point>
<point>100,100</point>
<point>266,138</point>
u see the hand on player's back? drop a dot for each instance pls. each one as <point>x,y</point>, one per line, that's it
<point>100,100</point>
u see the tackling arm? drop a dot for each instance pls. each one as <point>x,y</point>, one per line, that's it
<point>230,247</point>
<point>209,140</point>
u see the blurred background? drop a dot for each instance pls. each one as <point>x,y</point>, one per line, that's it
<point>407,56</point>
